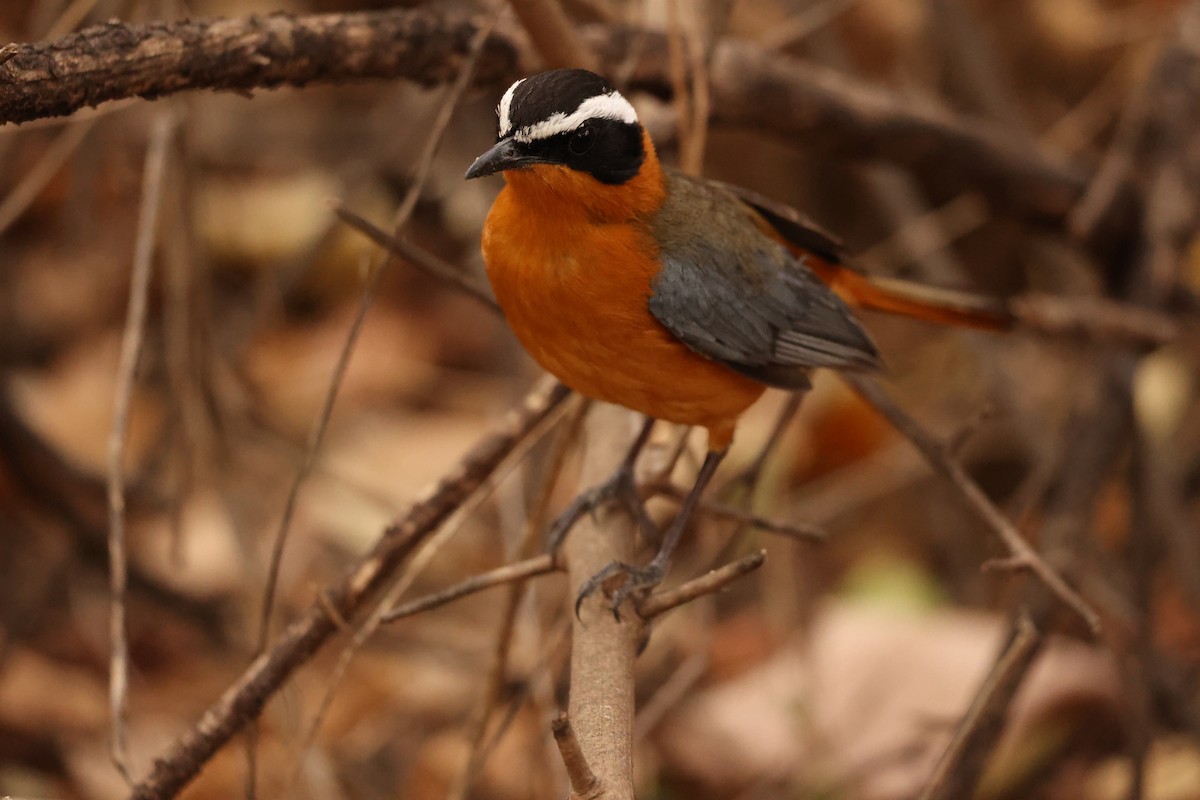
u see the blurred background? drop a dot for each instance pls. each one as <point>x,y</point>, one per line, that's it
<point>837,671</point>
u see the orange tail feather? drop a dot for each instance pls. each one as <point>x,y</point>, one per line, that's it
<point>928,303</point>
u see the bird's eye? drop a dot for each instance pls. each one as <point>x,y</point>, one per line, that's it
<point>581,141</point>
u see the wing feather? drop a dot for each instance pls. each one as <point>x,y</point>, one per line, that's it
<point>733,294</point>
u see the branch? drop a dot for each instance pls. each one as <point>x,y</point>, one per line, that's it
<point>830,112</point>
<point>935,453</point>
<point>709,583</point>
<point>418,256</point>
<point>751,87</point>
<point>131,349</point>
<point>1094,319</point>
<point>509,573</point>
<point>958,770</point>
<point>603,648</point>
<point>245,699</point>
<point>116,60</point>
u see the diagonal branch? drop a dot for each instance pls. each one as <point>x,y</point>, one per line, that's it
<point>245,698</point>
<point>1023,555</point>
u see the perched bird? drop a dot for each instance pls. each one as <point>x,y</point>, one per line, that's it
<point>674,296</point>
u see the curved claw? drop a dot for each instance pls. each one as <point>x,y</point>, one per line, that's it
<point>619,488</point>
<point>637,580</point>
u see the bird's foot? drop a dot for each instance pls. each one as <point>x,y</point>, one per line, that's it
<point>619,488</point>
<point>637,582</point>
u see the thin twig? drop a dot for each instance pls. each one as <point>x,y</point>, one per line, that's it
<point>131,348</point>
<point>728,512</point>
<point>960,765</point>
<point>529,568</point>
<point>418,257</point>
<point>1094,319</point>
<point>312,449</point>
<point>935,452</point>
<point>43,171</point>
<point>245,698</point>
<point>433,140</point>
<point>709,583</point>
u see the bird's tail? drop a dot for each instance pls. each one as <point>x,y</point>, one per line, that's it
<point>909,299</point>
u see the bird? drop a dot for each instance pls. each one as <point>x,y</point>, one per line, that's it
<point>680,298</point>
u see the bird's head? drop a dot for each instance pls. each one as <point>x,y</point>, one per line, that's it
<point>568,131</point>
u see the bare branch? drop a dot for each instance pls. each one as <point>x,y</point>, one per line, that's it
<point>935,452</point>
<point>709,583</point>
<point>603,648</point>
<point>529,568</point>
<point>115,60</point>
<point>750,87</point>
<point>245,698</point>
<point>131,349</point>
<point>1095,319</point>
<point>418,257</point>
<point>960,766</point>
<point>723,511</point>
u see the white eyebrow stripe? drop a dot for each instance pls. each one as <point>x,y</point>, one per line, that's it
<point>504,110</point>
<point>603,106</point>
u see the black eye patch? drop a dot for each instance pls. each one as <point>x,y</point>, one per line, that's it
<point>609,150</point>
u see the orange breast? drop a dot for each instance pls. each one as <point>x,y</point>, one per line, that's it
<point>575,289</point>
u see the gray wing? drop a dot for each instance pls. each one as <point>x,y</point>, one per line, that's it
<point>733,294</point>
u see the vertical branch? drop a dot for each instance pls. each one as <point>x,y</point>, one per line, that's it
<point>131,347</point>
<point>604,648</point>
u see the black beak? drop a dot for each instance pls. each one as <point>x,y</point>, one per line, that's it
<point>503,155</point>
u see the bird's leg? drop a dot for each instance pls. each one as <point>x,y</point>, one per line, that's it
<point>639,579</point>
<point>620,487</point>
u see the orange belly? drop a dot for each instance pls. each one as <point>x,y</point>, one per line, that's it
<point>575,294</point>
